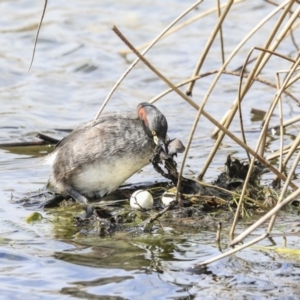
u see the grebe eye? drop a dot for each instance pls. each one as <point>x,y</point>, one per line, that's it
<point>153,133</point>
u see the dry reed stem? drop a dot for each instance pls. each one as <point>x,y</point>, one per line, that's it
<point>256,69</point>
<point>239,102</point>
<point>291,32</point>
<point>208,45</point>
<point>273,3</point>
<point>215,132</point>
<point>294,26</point>
<point>286,81</point>
<point>290,121</point>
<point>234,107</point>
<point>256,202</point>
<point>178,27</point>
<point>261,144</point>
<point>294,146</point>
<point>287,84</point>
<point>232,251</point>
<point>281,129</point>
<point>274,53</point>
<point>281,35</point>
<point>163,78</point>
<point>284,190</point>
<point>277,153</point>
<point>264,135</point>
<point>291,151</point>
<point>221,33</point>
<point>144,52</point>
<point>37,34</point>
<point>243,235</point>
<point>226,72</point>
<point>267,216</point>
<point>205,114</point>
<point>241,199</point>
<point>222,121</point>
<point>268,116</point>
<point>293,80</point>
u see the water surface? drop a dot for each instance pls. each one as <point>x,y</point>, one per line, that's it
<point>76,64</point>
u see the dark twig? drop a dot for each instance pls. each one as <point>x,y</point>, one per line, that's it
<point>47,139</point>
<point>22,144</point>
<point>37,34</point>
<point>159,214</point>
<point>218,236</point>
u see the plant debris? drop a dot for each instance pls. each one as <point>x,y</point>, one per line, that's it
<point>202,203</point>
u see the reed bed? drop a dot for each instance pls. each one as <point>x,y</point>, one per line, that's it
<point>255,67</point>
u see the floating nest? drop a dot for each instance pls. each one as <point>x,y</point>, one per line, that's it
<point>199,205</point>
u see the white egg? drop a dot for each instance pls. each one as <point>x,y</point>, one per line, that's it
<point>141,199</point>
<point>167,198</point>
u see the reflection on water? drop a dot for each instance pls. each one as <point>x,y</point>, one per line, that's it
<point>77,62</point>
